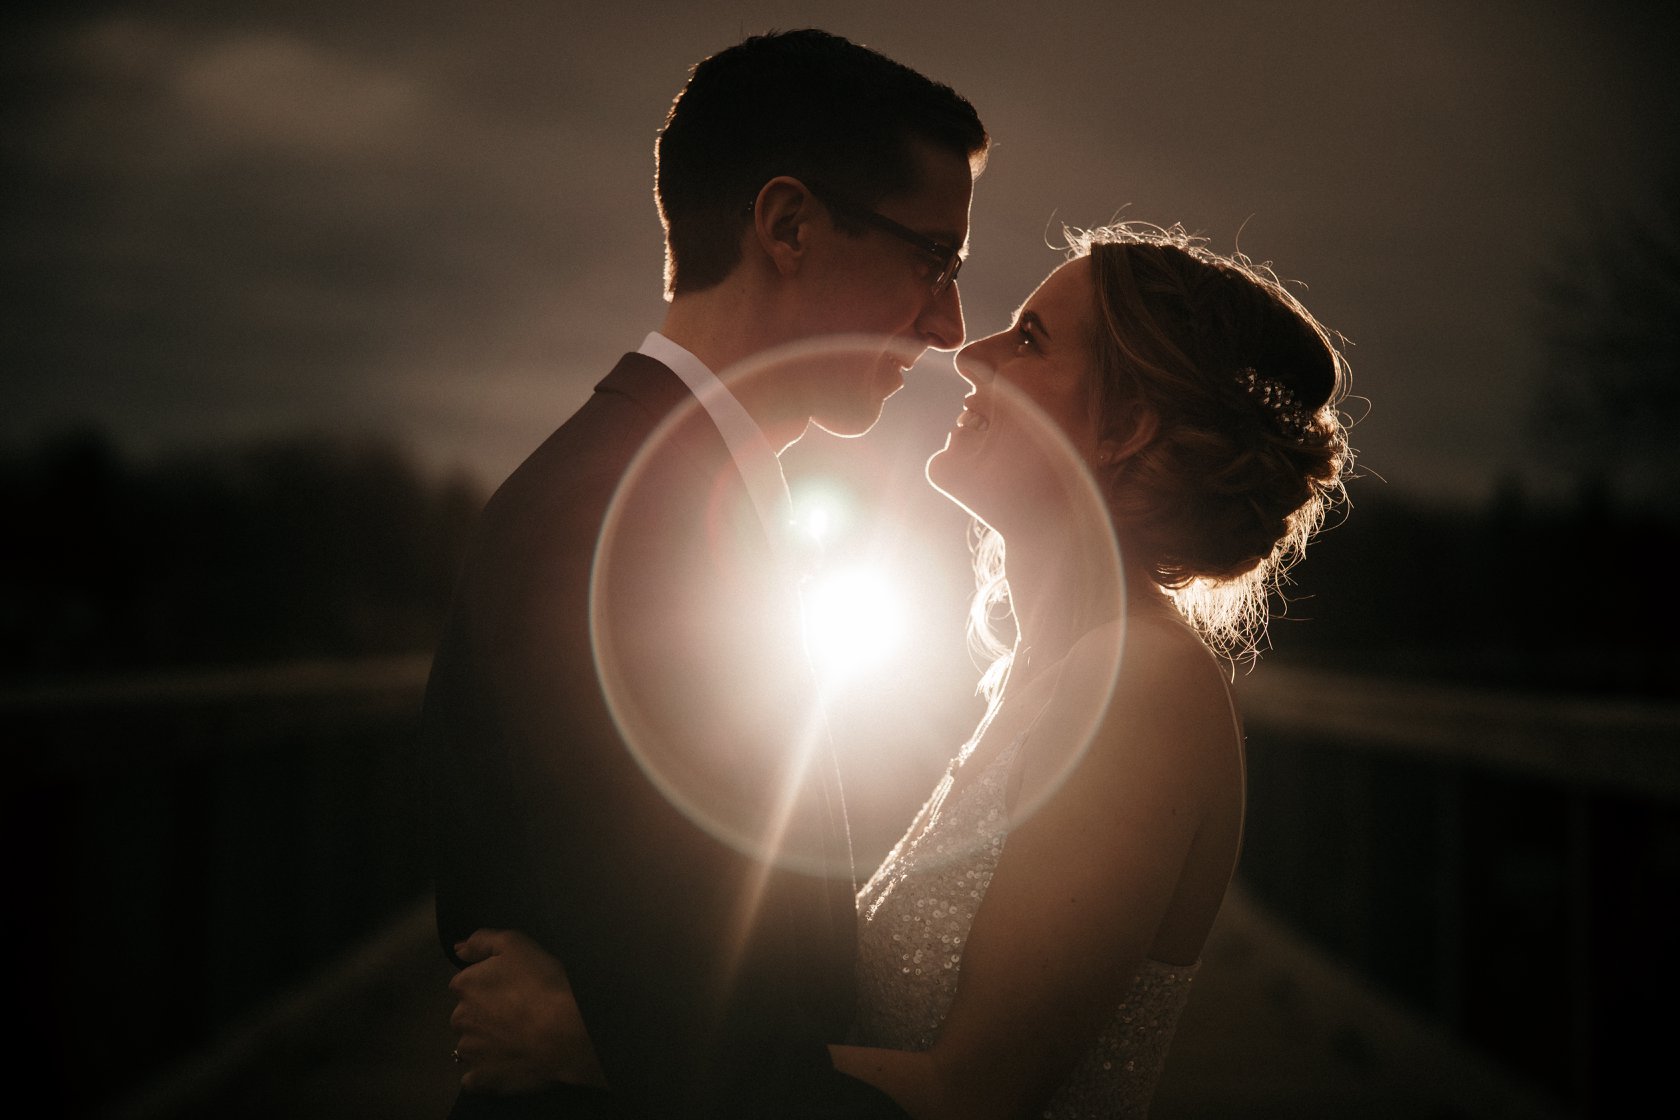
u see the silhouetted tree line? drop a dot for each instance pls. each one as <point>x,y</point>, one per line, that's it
<point>1516,595</point>
<point>296,548</point>
<point>1607,401</point>
<point>1558,597</point>
<point>319,548</point>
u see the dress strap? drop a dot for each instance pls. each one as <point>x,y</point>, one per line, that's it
<point>1043,705</point>
<point>1007,757</point>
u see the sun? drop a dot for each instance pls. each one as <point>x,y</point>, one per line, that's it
<point>855,622</point>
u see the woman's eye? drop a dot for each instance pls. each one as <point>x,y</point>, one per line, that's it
<point>1023,338</point>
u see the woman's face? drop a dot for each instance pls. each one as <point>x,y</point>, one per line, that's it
<point>1026,429</point>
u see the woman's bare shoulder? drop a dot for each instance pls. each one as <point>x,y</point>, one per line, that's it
<point>1167,696</point>
<point>1145,654</point>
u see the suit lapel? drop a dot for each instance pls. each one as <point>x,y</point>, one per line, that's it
<point>825,905</point>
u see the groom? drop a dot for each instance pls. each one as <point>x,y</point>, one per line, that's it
<point>622,738</point>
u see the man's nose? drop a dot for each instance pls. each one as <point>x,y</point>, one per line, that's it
<point>942,321</point>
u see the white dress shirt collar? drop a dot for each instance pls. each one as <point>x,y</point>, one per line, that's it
<point>748,447</point>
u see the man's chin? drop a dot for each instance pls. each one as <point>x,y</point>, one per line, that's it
<point>842,431</point>
<point>849,426</point>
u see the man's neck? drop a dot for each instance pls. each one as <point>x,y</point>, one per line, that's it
<point>722,328</point>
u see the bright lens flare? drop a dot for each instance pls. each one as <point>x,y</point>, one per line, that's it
<point>855,621</point>
<point>818,523</point>
<point>822,510</point>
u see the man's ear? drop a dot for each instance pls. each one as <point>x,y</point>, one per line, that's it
<point>1119,446</point>
<point>782,213</point>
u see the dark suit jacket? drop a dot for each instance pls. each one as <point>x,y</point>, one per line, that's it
<point>621,593</point>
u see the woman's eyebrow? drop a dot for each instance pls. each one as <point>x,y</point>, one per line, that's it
<point>1030,320</point>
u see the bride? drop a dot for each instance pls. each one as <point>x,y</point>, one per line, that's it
<point>1147,449</point>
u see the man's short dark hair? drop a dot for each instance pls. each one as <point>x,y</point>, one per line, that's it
<point>802,103</point>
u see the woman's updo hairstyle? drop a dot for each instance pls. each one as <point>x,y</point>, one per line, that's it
<point>1250,450</point>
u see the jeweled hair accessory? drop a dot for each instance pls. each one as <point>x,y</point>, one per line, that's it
<point>1279,402</point>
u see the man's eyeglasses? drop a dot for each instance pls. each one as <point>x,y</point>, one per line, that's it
<point>947,259</point>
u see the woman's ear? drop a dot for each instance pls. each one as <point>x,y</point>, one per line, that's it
<point>781,212</point>
<point>1120,446</point>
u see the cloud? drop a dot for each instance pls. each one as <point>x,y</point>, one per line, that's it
<point>225,229</point>
<point>294,211</point>
<point>268,89</point>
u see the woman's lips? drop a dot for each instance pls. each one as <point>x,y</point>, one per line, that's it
<point>971,421</point>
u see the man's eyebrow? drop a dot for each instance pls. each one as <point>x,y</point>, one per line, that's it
<point>948,239</point>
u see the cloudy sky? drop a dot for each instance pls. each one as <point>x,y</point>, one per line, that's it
<point>434,220</point>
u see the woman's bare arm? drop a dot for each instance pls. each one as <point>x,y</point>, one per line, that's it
<point>1080,891</point>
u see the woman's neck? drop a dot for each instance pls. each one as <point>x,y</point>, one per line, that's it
<point>1058,591</point>
<point>1061,590</point>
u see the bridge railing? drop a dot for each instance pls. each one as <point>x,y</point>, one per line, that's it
<point>1508,864</point>
<point>185,848</point>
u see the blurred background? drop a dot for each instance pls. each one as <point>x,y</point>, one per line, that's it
<point>291,286</point>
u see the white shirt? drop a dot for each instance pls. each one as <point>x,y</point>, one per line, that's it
<point>750,450</point>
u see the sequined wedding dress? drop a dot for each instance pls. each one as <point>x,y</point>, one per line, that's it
<point>914,915</point>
